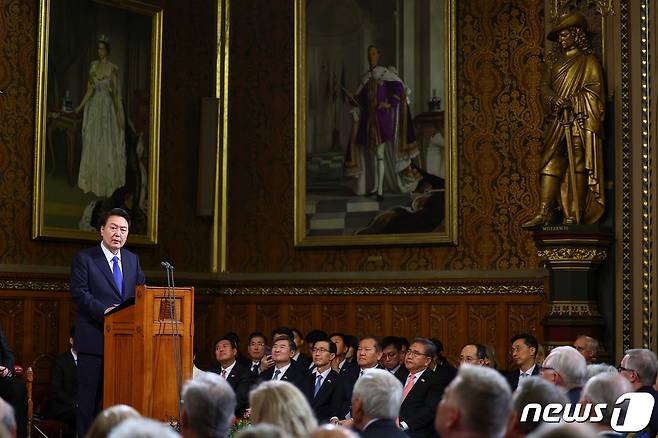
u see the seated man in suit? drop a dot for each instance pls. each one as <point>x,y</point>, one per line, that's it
<point>639,366</point>
<point>64,385</point>
<point>565,368</point>
<point>473,354</point>
<point>368,354</point>
<point>284,367</point>
<point>524,354</point>
<point>476,404</point>
<point>375,405</point>
<point>267,362</point>
<point>12,389</point>
<point>322,389</point>
<point>340,363</point>
<point>391,347</point>
<point>256,350</point>
<point>587,346</point>
<point>237,375</point>
<point>209,394</point>
<point>422,390</point>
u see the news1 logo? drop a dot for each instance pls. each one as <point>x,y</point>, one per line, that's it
<point>638,412</point>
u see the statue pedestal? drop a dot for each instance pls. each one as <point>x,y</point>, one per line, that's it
<point>572,254</point>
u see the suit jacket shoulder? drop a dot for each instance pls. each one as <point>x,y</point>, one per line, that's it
<point>382,429</point>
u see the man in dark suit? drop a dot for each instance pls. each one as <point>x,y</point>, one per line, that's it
<point>64,385</point>
<point>12,389</point>
<point>256,350</point>
<point>102,277</point>
<point>524,355</point>
<point>422,390</point>
<point>322,390</point>
<point>284,367</point>
<point>340,364</point>
<point>375,405</point>
<point>236,374</point>
<point>303,359</point>
<point>639,366</point>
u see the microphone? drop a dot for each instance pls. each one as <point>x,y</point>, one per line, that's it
<point>166,265</point>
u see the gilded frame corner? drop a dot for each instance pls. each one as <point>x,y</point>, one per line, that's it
<point>71,124</point>
<point>448,235</point>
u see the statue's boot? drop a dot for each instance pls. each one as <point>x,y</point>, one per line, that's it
<point>543,217</point>
<point>550,187</point>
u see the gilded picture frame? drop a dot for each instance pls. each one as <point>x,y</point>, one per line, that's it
<point>386,176</point>
<point>97,122</point>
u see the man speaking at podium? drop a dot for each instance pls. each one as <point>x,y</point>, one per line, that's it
<point>102,277</point>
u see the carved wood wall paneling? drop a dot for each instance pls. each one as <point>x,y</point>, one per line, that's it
<point>482,323</point>
<point>334,317</point>
<point>203,330</point>
<point>268,318</point>
<point>524,318</point>
<point>300,316</point>
<point>444,325</point>
<point>370,320</point>
<point>236,319</point>
<point>12,322</point>
<point>406,320</point>
<point>500,44</point>
<point>45,337</point>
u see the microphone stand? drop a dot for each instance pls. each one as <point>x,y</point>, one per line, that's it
<point>170,300</point>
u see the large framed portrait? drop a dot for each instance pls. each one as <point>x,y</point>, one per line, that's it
<point>375,156</point>
<point>97,117</point>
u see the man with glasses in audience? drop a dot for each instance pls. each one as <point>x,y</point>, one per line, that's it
<point>524,353</point>
<point>421,391</point>
<point>391,347</point>
<point>322,384</point>
<point>639,366</point>
<point>565,368</point>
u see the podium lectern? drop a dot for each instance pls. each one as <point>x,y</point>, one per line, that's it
<point>148,351</point>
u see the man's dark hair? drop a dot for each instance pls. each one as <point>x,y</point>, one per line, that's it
<point>527,339</point>
<point>438,344</point>
<point>332,347</point>
<point>115,212</point>
<point>291,343</point>
<point>234,344</point>
<point>235,337</point>
<point>282,331</point>
<point>392,340</point>
<point>480,350</point>
<point>343,336</point>
<point>294,330</point>
<point>403,342</point>
<point>316,335</point>
<point>352,341</point>
<point>253,335</point>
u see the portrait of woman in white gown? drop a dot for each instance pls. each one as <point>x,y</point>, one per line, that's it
<point>103,159</point>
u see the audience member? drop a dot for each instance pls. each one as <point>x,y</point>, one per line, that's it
<point>322,387</point>
<point>598,368</point>
<point>441,366</point>
<point>262,430</point>
<point>237,375</point>
<point>524,350</point>
<point>142,428</point>
<point>313,336</point>
<point>565,368</point>
<point>352,347</point>
<point>12,389</point>
<point>208,407</point>
<point>256,350</point>
<point>368,354</point>
<point>533,389</point>
<point>340,364</point>
<point>473,354</point>
<point>639,367</point>
<point>7,419</point>
<point>300,357</point>
<point>587,346</point>
<point>422,390</point>
<point>109,418</point>
<point>476,404</point>
<point>391,347</point>
<point>404,346</point>
<point>375,405</point>
<point>490,360</point>
<point>606,388</point>
<point>284,367</point>
<point>64,385</point>
<point>282,404</point>
<point>267,361</point>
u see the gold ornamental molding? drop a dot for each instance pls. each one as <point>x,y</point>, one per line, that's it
<point>477,289</point>
<point>561,7</point>
<point>35,285</point>
<point>573,259</point>
<point>573,309</point>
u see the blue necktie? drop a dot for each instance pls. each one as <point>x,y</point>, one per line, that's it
<point>276,375</point>
<point>318,384</point>
<point>116,272</point>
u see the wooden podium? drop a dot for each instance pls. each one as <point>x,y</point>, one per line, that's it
<point>148,351</point>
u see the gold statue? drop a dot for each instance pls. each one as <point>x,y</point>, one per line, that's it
<point>573,96</point>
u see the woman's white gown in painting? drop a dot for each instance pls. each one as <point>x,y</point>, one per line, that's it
<point>103,160</point>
